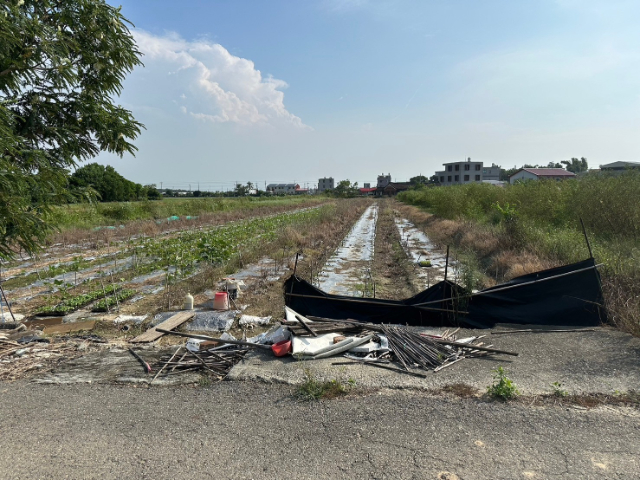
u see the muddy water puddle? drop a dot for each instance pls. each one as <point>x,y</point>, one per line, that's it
<point>348,269</point>
<point>429,261</point>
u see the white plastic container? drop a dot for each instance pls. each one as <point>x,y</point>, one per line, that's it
<point>188,302</point>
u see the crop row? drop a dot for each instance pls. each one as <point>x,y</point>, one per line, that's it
<point>215,246</point>
<point>105,304</point>
<point>74,303</point>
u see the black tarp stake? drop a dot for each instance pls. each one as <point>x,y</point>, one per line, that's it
<point>446,264</point>
<point>584,232</point>
<point>295,267</point>
<point>7,302</point>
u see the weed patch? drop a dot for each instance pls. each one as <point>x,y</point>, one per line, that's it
<point>313,389</point>
<point>503,387</point>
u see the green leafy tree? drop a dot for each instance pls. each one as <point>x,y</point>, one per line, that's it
<point>109,184</point>
<point>152,193</point>
<point>419,180</point>
<point>61,64</point>
<point>346,189</point>
<point>576,165</point>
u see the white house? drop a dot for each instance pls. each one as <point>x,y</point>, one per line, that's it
<point>282,188</point>
<point>541,173</point>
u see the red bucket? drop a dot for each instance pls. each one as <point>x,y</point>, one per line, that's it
<point>282,348</point>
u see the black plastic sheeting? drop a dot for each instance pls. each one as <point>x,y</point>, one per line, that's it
<point>565,296</point>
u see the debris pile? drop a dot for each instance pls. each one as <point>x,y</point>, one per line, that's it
<point>216,361</point>
<point>317,338</point>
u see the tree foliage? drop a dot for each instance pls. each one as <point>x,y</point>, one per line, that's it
<point>109,184</point>
<point>346,189</point>
<point>576,166</point>
<point>61,64</point>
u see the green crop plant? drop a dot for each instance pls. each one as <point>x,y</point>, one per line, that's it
<point>105,304</point>
<point>503,387</point>
<point>74,303</point>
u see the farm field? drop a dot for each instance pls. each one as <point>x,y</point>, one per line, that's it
<point>359,247</point>
<point>129,270</point>
<point>501,233</point>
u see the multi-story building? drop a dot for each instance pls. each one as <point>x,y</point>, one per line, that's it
<point>459,173</point>
<point>491,173</point>
<point>326,183</point>
<point>383,180</point>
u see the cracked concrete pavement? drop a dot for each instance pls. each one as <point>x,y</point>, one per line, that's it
<point>601,361</point>
<point>254,430</point>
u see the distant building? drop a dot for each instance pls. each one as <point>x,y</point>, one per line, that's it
<point>459,173</point>
<point>367,185</point>
<point>326,183</point>
<point>541,173</point>
<point>282,188</point>
<point>367,190</point>
<point>393,188</point>
<point>383,180</point>
<point>619,167</point>
<point>491,173</point>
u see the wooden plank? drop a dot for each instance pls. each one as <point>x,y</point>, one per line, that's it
<point>69,327</point>
<point>169,324</point>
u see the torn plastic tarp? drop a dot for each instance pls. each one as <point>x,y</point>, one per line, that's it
<point>570,295</point>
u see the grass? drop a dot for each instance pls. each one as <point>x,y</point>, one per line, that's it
<point>87,216</point>
<point>530,226</point>
<point>313,389</point>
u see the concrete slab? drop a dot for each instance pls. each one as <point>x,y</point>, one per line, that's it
<point>115,365</point>
<point>600,361</point>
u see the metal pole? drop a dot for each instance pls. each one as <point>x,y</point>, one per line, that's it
<point>584,232</point>
<point>446,264</point>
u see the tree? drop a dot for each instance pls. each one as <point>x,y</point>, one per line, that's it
<point>576,166</point>
<point>419,180</point>
<point>61,64</point>
<point>108,184</point>
<point>151,192</point>
<point>346,189</point>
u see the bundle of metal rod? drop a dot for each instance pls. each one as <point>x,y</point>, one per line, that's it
<point>414,350</point>
<point>217,361</point>
<point>323,327</point>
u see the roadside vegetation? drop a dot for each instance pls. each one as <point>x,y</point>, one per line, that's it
<point>314,389</point>
<point>534,225</point>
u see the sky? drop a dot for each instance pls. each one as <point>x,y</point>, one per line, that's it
<point>291,91</point>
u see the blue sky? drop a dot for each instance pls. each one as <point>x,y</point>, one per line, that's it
<point>267,91</point>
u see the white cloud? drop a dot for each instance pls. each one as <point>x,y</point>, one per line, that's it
<point>222,88</point>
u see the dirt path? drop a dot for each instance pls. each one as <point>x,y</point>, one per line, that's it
<point>393,273</point>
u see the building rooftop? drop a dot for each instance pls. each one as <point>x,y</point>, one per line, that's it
<point>621,165</point>
<point>547,172</point>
